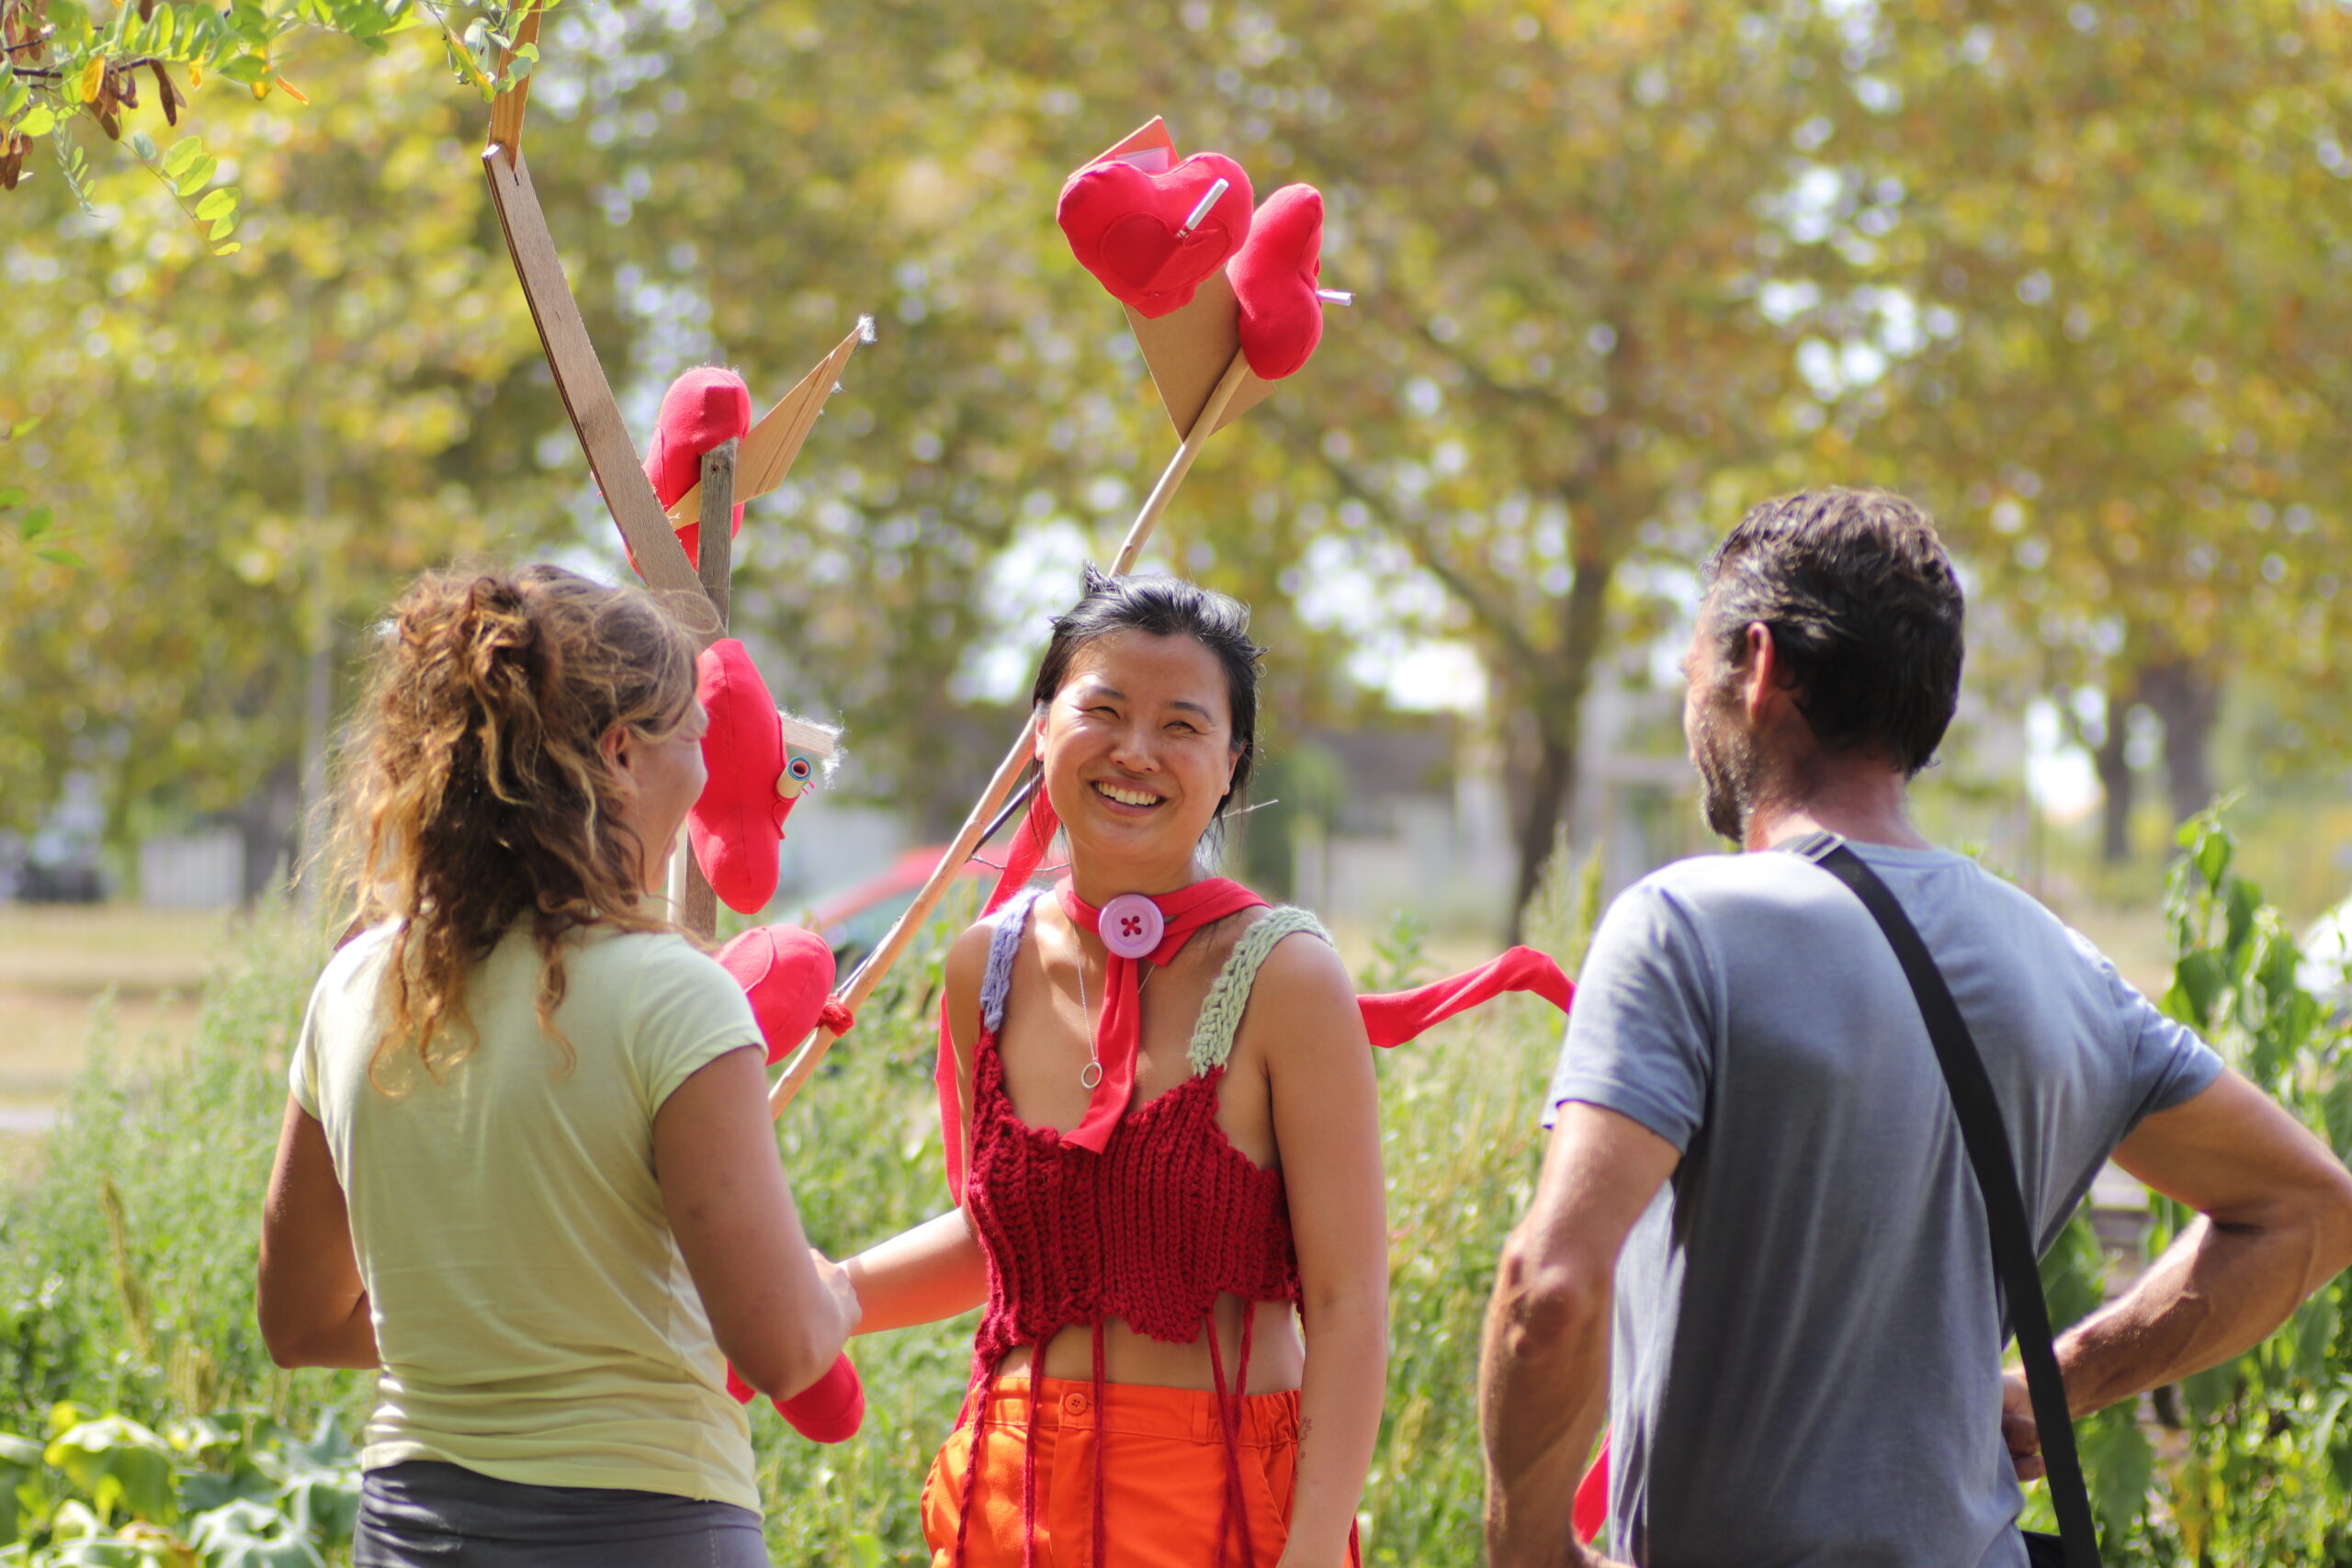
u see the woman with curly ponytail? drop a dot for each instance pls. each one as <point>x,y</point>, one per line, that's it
<point>526,1168</point>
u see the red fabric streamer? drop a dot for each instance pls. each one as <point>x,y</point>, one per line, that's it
<point>1395,1017</point>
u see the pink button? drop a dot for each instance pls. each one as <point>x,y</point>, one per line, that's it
<point>1131,925</point>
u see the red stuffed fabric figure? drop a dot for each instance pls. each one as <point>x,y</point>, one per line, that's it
<point>787,973</point>
<point>737,825</point>
<point>1274,276</point>
<point>705,407</point>
<point>1128,227</point>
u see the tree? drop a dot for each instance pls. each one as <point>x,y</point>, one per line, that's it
<point>252,452</point>
<point>2120,369</point>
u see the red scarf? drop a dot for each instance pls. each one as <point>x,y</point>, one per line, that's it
<point>1390,1019</point>
<point>1118,1035</point>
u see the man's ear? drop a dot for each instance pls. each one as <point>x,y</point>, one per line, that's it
<point>1765,682</point>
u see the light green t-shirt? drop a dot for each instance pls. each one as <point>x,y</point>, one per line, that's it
<point>535,1321</point>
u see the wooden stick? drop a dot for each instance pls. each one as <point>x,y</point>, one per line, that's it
<point>580,378</point>
<point>968,838</point>
<point>715,558</point>
<point>506,112</point>
<point>1195,439</point>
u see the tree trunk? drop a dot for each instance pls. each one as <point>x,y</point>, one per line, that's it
<point>2115,783</point>
<point>1556,698</point>
<point>1551,792</point>
<point>2188,701</point>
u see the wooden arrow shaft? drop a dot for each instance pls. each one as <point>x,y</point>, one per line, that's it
<point>877,964</point>
<point>580,378</point>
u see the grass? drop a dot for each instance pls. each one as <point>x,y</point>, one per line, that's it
<point>127,1257</point>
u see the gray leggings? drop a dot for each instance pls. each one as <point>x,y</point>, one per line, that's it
<point>424,1514</point>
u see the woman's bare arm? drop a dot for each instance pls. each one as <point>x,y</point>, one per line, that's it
<point>1326,1129</point>
<point>312,1301</point>
<point>935,1270</point>
<point>779,1310</point>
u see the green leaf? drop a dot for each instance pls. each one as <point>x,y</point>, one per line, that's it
<point>217,204</point>
<point>184,156</point>
<point>222,228</point>
<point>40,122</point>
<point>24,427</point>
<point>231,249</point>
<point>198,175</point>
<point>63,558</point>
<point>118,1464</point>
<point>2197,981</point>
<point>12,496</point>
<point>38,521</point>
<point>250,69</point>
<point>2119,1465</point>
<point>144,145</point>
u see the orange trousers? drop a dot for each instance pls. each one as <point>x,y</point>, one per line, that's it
<point>1159,1456</point>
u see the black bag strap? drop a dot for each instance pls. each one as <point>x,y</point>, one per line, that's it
<point>1987,1139</point>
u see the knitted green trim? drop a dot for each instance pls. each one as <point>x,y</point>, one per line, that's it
<point>1228,995</point>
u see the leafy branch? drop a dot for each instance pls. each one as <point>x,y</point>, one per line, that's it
<point>64,60</point>
<point>36,530</point>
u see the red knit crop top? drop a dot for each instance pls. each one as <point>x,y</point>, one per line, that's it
<point>1151,1230</point>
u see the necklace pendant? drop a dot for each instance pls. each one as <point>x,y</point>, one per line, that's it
<point>1089,1076</point>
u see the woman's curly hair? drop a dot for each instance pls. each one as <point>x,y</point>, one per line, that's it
<point>474,792</point>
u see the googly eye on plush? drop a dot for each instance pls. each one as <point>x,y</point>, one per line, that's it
<point>799,769</point>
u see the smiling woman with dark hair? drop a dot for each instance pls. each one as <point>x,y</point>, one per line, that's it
<point>1170,1126</point>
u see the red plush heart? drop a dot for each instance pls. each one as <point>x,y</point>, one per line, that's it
<point>1122,225</point>
<point>705,406</point>
<point>787,973</point>
<point>736,826</point>
<point>1273,280</point>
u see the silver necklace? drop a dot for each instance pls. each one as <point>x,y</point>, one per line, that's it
<point>1091,1074</point>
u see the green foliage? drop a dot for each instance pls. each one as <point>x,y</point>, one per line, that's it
<point>1399,955</point>
<point>238,1490</point>
<point>65,61</point>
<point>2249,1463</point>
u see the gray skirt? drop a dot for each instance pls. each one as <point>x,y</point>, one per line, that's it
<point>424,1514</point>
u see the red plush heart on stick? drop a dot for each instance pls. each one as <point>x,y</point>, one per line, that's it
<point>703,408</point>
<point>1137,232</point>
<point>1274,276</point>
<point>736,826</point>
<point>787,973</point>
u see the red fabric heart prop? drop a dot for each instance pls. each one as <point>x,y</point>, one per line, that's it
<point>1273,277</point>
<point>705,406</point>
<point>1122,225</point>
<point>737,823</point>
<point>787,973</point>
<point>829,1410</point>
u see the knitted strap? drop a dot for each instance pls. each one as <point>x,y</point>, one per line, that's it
<point>1004,945</point>
<point>1228,995</point>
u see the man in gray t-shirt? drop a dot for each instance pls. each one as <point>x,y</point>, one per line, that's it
<point>1757,1229</point>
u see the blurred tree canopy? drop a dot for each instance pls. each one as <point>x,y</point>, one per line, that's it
<point>2063,273</point>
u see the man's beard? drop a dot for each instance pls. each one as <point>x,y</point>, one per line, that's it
<point>1726,759</point>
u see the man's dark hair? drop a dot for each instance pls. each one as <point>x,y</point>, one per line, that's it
<point>1862,607</point>
<point>1166,606</point>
